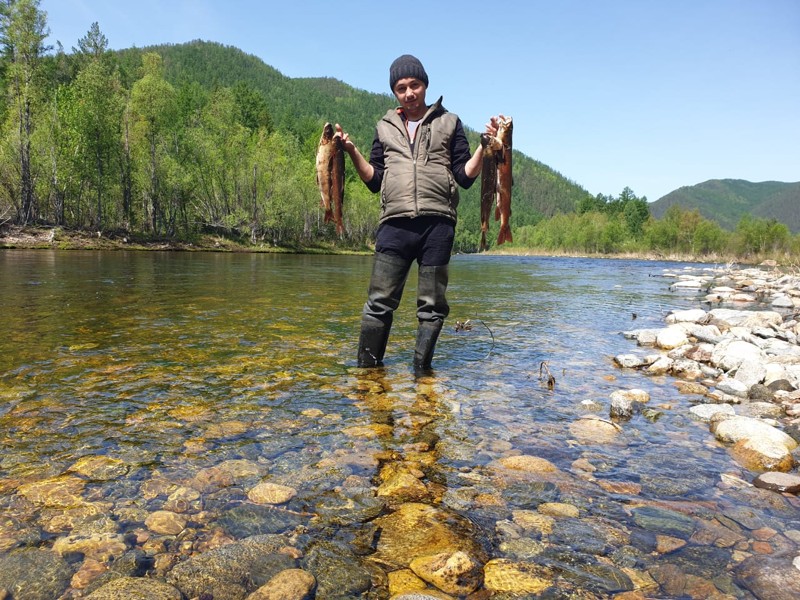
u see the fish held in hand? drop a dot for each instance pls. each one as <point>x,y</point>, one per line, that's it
<point>330,176</point>
<point>504,180</point>
<point>337,183</point>
<point>496,181</point>
<point>488,183</point>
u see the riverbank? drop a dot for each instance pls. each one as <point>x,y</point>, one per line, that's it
<point>14,236</point>
<point>739,359</point>
<point>57,238</point>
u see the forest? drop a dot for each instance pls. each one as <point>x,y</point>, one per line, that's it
<point>173,141</point>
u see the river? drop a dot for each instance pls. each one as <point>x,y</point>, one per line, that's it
<point>169,365</point>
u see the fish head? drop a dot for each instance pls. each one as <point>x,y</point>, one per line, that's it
<point>327,133</point>
<point>506,126</point>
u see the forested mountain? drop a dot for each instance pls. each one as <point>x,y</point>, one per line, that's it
<point>726,201</point>
<point>302,105</point>
<point>174,140</point>
<point>171,140</point>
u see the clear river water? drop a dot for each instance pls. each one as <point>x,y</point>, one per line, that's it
<point>174,366</point>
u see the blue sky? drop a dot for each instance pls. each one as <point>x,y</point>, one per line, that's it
<point>610,93</point>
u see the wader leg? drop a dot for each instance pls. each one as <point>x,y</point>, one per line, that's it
<point>389,275</point>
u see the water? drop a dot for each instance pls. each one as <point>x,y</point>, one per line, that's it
<point>173,363</point>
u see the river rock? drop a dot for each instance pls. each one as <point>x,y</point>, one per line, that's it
<point>692,315</point>
<point>102,547</point>
<point>454,573</point>
<point>403,486</point>
<point>591,429</point>
<point>730,386</point>
<point>769,578</point>
<point>750,372</point>
<point>503,575</point>
<point>737,428</point>
<point>271,493</point>
<point>726,318</point>
<point>661,366</point>
<point>559,509</point>
<point>416,529</point>
<point>629,361</point>
<point>290,584</point>
<point>166,522</point>
<point>624,402</point>
<point>226,474</point>
<point>687,369</point>
<point>34,574</point>
<point>527,464</point>
<point>135,588</point>
<point>761,410</point>
<point>57,492</point>
<point>664,521</point>
<point>706,412</point>
<point>339,572</point>
<point>671,337</point>
<point>532,520</point>
<point>778,482</point>
<point>759,454</point>
<point>234,570</point>
<point>100,468</point>
<point>730,353</point>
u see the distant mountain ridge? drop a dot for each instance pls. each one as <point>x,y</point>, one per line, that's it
<point>726,201</point>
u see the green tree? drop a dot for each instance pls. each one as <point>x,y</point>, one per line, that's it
<point>23,30</point>
<point>153,109</point>
<point>96,120</point>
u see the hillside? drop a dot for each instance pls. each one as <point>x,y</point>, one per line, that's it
<point>726,201</point>
<point>302,105</point>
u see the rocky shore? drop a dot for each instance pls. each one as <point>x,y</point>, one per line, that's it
<point>739,359</point>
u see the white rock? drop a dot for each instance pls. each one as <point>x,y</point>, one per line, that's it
<point>740,428</point>
<point>782,302</point>
<point>671,337</point>
<point>661,366</point>
<point>750,372</point>
<point>628,361</point>
<point>634,395</point>
<point>687,284</point>
<point>705,412</point>
<point>745,318</point>
<point>693,315</point>
<point>729,354</point>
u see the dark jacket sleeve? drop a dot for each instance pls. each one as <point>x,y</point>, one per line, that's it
<point>376,160</point>
<point>460,154</point>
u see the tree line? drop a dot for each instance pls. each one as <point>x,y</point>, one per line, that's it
<point>172,141</point>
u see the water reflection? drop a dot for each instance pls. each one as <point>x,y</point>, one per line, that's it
<point>198,376</point>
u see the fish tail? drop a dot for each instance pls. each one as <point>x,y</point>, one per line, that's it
<point>504,235</point>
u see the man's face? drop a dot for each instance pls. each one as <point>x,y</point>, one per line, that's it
<point>410,93</point>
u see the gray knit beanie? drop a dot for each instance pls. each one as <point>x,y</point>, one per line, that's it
<point>407,66</point>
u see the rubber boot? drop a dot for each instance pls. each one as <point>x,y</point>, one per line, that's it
<point>432,308</point>
<point>389,275</point>
<point>427,335</point>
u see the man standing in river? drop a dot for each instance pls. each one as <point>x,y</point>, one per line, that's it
<point>419,154</point>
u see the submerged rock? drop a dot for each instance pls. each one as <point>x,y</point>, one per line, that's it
<point>418,530</point>
<point>234,570</point>
<point>454,573</point>
<point>778,482</point>
<point>34,574</point>
<point>136,588</point>
<point>768,577</point>
<point>291,584</point>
